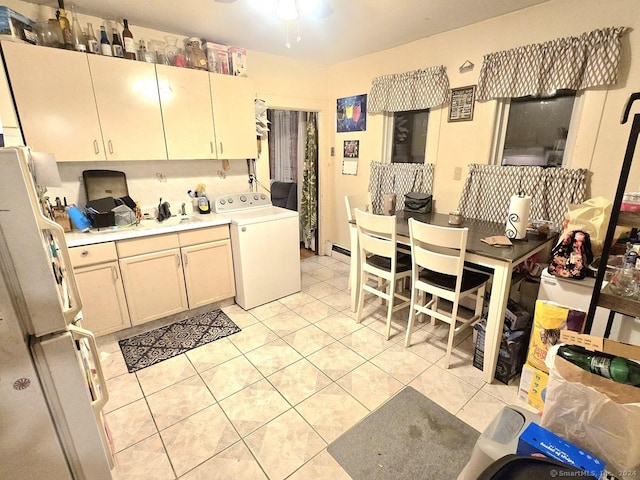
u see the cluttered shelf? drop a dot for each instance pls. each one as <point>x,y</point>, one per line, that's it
<point>613,301</point>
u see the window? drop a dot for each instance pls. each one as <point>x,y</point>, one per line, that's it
<point>537,129</point>
<point>409,136</point>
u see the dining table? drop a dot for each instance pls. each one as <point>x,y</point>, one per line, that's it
<point>499,261</point>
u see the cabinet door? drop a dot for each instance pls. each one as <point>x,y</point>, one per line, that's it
<point>234,116</point>
<point>128,103</point>
<point>104,307</point>
<point>208,272</point>
<point>185,99</point>
<point>154,285</point>
<point>55,103</point>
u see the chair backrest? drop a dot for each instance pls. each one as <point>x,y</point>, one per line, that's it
<point>356,201</point>
<point>285,195</point>
<point>439,249</point>
<point>376,235</point>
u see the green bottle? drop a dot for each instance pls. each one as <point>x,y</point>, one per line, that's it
<point>618,369</point>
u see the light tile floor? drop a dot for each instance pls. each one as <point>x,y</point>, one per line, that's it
<point>265,403</point>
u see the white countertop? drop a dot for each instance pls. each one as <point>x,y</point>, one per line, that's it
<point>176,223</point>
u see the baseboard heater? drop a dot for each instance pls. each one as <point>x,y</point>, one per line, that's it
<point>339,249</point>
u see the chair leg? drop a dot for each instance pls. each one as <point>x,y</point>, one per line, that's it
<point>435,309</point>
<point>412,316</point>
<point>364,279</point>
<point>452,332</point>
<point>392,295</point>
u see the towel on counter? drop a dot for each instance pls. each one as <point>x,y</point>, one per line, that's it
<point>497,241</point>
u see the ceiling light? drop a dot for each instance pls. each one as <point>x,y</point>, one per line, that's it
<point>287,10</point>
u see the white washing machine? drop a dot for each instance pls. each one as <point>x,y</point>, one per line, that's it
<point>577,294</point>
<point>265,243</point>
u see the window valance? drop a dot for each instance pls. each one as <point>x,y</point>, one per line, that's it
<point>416,90</point>
<point>574,63</point>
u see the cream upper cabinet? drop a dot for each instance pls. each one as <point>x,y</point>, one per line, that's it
<point>55,103</point>
<point>234,116</point>
<point>185,100</point>
<point>126,93</point>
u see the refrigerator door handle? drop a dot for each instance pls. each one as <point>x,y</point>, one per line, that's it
<point>102,400</point>
<point>57,231</point>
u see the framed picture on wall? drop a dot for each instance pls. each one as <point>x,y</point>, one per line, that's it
<point>351,114</point>
<point>461,104</point>
<point>351,148</point>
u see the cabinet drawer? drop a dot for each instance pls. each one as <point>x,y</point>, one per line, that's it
<point>203,235</point>
<point>92,254</point>
<point>155,243</point>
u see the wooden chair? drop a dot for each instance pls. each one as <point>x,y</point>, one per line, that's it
<point>379,259</point>
<point>438,269</point>
<point>363,202</point>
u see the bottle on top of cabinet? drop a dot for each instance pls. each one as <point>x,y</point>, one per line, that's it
<point>93,46</point>
<point>143,54</point>
<point>65,26</point>
<point>79,41</point>
<point>105,46</point>
<point>116,44</point>
<point>129,44</point>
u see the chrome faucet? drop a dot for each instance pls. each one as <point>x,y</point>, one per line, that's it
<point>182,210</point>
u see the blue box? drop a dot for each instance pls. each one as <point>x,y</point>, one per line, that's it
<point>16,27</point>
<point>537,440</point>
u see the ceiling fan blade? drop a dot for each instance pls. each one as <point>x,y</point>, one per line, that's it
<point>324,9</point>
<point>225,1</point>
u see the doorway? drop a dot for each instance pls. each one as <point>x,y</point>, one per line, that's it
<point>293,161</point>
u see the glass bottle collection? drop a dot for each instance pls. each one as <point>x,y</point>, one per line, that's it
<point>63,33</point>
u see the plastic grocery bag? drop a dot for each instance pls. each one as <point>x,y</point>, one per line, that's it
<point>596,413</point>
<point>592,217</point>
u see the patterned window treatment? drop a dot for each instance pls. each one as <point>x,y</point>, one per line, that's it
<point>398,178</point>
<point>309,205</point>
<point>416,90</point>
<point>488,190</point>
<point>574,63</point>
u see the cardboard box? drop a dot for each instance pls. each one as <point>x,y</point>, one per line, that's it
<point>516,317</point>
<point>599,344</point>
<point>533,386</point>
<point>510,356</point>
<point>16,27</point>
<point>536,440</point>
<point>238,61</point>
<point>217,57</point>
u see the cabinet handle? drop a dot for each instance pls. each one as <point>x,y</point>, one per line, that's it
<point>185,260</point>
<point>110,147</point>
<point>115,273</point>
<point>84,253</point>
<point>177,259</point>
<point>221,148</point>
<point>96,149</point>
<point>211,145</point>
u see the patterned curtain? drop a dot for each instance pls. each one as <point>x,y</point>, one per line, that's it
<point>573,63</point>
<point>398,178</point>
<point>417,90</point>
<point>309,204</point>
<point>488,189</point>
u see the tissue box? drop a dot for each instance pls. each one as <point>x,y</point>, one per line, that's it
<point>238,61</point>
<point>536,440</point>
<point>16,27</point>
<point>217,57</point>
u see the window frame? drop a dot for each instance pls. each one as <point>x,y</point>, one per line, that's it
<point>502,119</point>
<point>388,125</point>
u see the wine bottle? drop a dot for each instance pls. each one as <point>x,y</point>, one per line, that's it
<point>129,44</point>
<point>78,40</point>
<point>93,46</point>
<point>65,26</point>
<point>116,44</point>
<point>105,46</point>
<point>618,369</point>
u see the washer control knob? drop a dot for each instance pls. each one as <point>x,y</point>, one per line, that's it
<point>263,196</point>
<point>255,197</point>
<point>230,200</point>
<point>243,198</point>
<point>222,201</point>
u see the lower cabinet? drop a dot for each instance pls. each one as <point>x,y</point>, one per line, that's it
<point>208,266</point>
<point>153,277</point>
<point>97,273</point>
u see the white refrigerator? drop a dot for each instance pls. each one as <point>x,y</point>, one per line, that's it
<point>52,390</point>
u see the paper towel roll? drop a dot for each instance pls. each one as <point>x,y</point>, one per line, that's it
<point>389,204</point>
<point>518,217</point>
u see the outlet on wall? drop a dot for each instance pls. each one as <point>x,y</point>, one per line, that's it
<point>457,173</point>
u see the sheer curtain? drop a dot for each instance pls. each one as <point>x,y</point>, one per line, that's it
<point>283,145</point>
